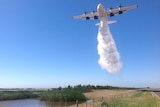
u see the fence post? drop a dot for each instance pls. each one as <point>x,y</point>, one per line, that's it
<point>77,103</point>
<point>102,99</point>
<point>66,102</point>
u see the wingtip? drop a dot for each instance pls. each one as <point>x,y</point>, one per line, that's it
<point>73,17</point>
<point>137,6</point>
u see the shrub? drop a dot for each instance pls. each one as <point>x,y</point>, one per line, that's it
<point>62,95</point>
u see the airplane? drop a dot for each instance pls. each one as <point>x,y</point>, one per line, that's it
<point>103,14</point>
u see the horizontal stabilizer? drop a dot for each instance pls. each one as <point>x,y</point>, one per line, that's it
<point>97,24</point>
<point>109,22</point>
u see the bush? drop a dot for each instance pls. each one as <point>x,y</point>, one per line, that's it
<point>14,95</point>
<point>62,95</point>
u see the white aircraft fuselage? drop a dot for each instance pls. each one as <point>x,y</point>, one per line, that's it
<point>101,11</point>
<point>103,16</point>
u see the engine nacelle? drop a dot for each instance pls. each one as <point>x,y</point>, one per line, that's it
<point>95,17</point>
<point>120,12</point>
<point>111,14</point>
<point>87,18</point>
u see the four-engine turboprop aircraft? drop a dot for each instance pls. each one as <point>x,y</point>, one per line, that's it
<point>102,13</point>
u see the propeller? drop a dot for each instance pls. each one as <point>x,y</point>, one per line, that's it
<point>120,6</point>
<point>94,11</point>
<point>120,11</point>
<point>110,8</point>
<point>85,12</point>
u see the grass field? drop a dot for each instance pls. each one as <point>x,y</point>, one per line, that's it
<point>121,98</point>
<point>15,95</point>
<point>97,95</point>
<point>140,99</point>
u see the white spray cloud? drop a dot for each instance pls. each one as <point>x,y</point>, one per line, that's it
<point>109,57</point>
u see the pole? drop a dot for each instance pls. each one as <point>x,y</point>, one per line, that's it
<point>77,102</point>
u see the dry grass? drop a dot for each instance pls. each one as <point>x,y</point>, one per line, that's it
<point>121,98</point>
<point>97,95</point>
<point>140,99</point>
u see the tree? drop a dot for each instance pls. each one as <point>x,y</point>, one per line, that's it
<point>60,88</point>
<point>69,87</point>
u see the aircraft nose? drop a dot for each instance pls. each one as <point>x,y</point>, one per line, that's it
<point>99,6</point>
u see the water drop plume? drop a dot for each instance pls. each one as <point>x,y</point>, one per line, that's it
<point>109,56</point>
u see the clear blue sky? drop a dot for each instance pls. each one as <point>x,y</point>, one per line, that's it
<point>41,46</point>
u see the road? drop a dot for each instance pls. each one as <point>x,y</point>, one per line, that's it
<point>158,93</point>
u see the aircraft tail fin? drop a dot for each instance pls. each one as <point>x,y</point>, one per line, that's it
<point>109,22</point>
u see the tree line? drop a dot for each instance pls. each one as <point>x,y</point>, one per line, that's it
<point>89,88</point>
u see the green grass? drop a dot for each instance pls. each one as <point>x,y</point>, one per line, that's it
<point>140,99</point>
<point>14,95</point>
<point>62,95</point>
<point>55,95</point>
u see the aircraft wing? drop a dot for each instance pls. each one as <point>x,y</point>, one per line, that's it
<point>120,10</point>
<point>110,13</point>
<point>87,16</point>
